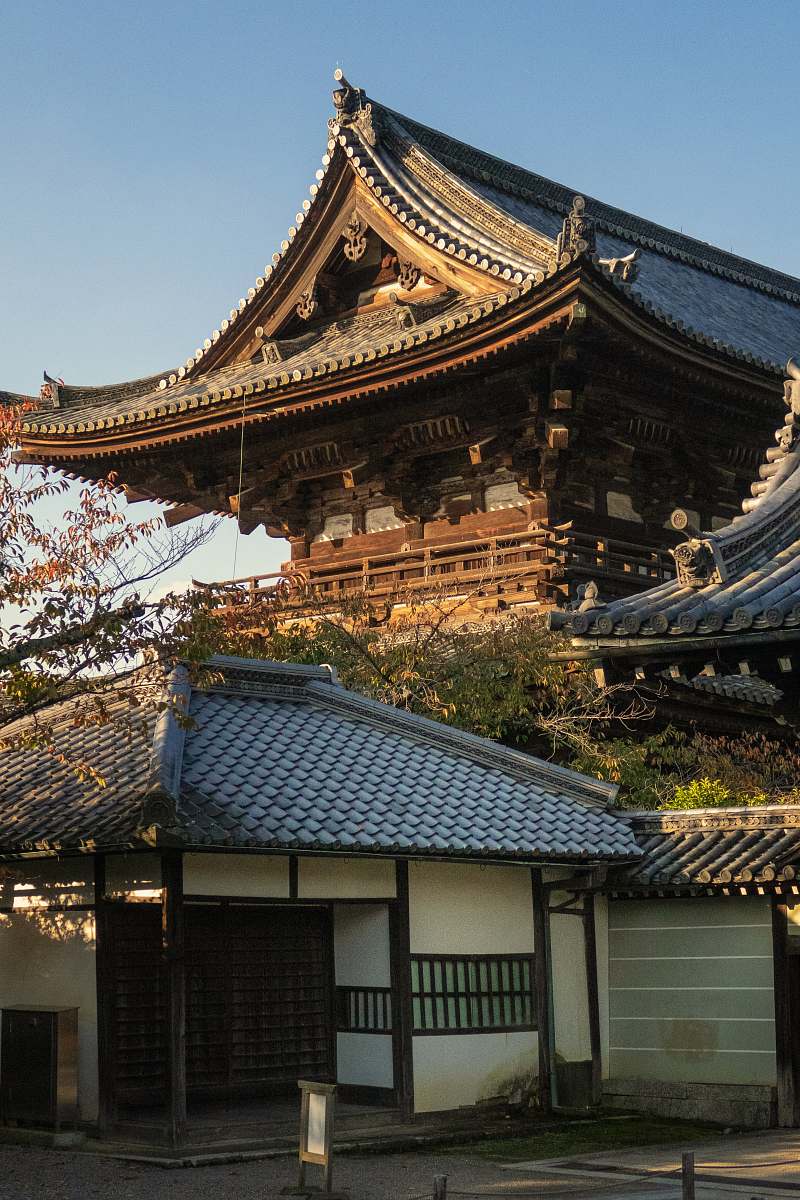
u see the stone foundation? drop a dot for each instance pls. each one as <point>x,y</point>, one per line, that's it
<point>743,1105</point>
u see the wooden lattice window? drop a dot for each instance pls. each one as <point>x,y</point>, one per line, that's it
<point>364,1009</point>
<point>472,993</point>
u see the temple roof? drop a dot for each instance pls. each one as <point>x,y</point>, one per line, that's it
<point>280,756</point>
<point>737,583</point>
<point>486,229</point>
<point>713,848</point>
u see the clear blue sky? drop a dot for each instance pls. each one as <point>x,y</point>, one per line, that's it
<point>154,154</point>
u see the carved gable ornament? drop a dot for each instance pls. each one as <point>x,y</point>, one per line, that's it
<point>355,238</point>
<point>308,304</point>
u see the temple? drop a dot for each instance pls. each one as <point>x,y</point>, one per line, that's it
<point>456,374</point>
<point>728,626</point>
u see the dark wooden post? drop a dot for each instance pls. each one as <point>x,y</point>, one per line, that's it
<point>402,1005</point>
<point>784,1016</point>
<point>687,1176</point>
<point>592,997</point>
<point>172,942</point>
<point>106,1112</point>
<point>541,945</point>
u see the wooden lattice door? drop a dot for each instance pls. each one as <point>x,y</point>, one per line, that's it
<point>137,1004</point>
<point>259,1012</point>
<point>259,1000</point>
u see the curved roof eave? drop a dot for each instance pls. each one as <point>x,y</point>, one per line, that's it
<point>396,361</point>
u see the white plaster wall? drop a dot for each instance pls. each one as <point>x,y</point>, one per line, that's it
<point>361,945</point>
<point>35,883</point>
<point>365,1059</point>
<point>465,908</point>
<point>461,908</point>
<point>223,874</point>
<point>452,1070</point>
<point>570,999</point>
<point>49,959</point>
<point>345,878</point>
<point>361,956</point>
<point>134,876</point>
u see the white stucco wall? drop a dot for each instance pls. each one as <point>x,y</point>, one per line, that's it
<point>461,908</point>
<point>361,955</point>
<point>361,945</point>
<point>35,883</point>
<point>570,998</point>
<point>364,1059</point>
<point>332,878</point>
<point>453,1070</point>
<point>134,876</point>
<point>458,908</point>
<point>255,875</point>
<point>49,959</point>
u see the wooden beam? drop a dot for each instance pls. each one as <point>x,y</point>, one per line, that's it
<point>402,1005</point>
<point>592,996</point>
<point>172,942</point>
<point>106,1110</point>
<point>544,1003</point>
<point>784,1017</point>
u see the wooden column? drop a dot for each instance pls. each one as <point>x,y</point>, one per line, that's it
<point>106,1110</point>
<point>544,1003</point>
<point>784,1015</point>
<point>402,1006</point>
<point>172,943</point>
<point>592,997</point>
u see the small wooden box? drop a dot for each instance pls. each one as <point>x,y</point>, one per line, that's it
<point>39,1065</point>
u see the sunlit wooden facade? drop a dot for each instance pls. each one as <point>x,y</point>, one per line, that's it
<point>455,373</point>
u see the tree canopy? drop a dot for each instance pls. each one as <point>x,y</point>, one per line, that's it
<point>79,610</point>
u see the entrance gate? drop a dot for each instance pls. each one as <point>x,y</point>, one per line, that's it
<point>259,1000</point>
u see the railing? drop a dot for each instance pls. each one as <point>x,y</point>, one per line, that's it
<point>502,571</point>
<point>590,556</point>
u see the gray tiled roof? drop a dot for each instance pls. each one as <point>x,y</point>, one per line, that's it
<point>501,219</point>
<point>742,304</point>
<point>329,348</point>
<point>279,756</point>
<point>713,847</point>
<point>755,584</point>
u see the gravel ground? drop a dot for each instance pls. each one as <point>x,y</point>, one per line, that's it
<point>28,1174</point>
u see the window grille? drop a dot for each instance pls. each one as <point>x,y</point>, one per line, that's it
<point>472,993</point>
<point>364,1010</point>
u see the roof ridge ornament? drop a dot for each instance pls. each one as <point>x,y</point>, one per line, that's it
<point>354,109</point>
<point>625,267</point>
<point>577,236</point>
<point>698,562</point>
<point>787,438</point>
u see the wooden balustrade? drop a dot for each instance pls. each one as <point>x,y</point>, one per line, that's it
<point>501,571</point>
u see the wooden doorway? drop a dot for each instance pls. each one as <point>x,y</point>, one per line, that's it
<point>259,1000</point>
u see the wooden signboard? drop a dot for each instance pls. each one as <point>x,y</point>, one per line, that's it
<point>317,1105</point>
